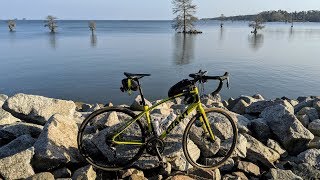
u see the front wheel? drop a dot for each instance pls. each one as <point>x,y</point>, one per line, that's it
<point>203,150</point>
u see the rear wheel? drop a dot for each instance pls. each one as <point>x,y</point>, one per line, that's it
<point>200,149</point>
<point>95,139</point>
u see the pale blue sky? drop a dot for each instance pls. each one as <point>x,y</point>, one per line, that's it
<point>141,9</point>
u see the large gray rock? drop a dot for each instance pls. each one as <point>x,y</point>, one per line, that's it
<point>312,113</point>
<point>241,147</point>
<point>17,166</point>
<point>260,129</point>
<point>276,146</point>
<point>282,174</point>
<point>7,118</point>
<point>37,109</point>
<point>42,176</point>
<point>247,100</point>
<point>304,119</point>
<point>19,144</point>
<point>310,156</point>
<point>306,171</point>
<point>259,106</point>
<point>314,127</point>
<point>3,98</point>
<point>17,129</point>
<point>57,144</point>
<point>84,173</point>
<point>258,152</point>
<point>240,107</point>
<point>249,168</point>
<point>305,103</point>
<point>315,143</point>
<point>136,106</point>
<point>62,173</point>
<point>288,129</point>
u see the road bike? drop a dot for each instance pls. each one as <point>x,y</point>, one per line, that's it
<point>114,138</point>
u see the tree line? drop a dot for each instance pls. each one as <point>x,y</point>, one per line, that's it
<point>277,16</point>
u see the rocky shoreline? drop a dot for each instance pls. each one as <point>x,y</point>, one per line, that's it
<point>278,139</point>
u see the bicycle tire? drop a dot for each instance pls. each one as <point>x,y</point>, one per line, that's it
<point>90,120</point>
<point>213,165</point>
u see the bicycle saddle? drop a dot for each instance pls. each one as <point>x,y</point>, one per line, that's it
<point>135,76</point>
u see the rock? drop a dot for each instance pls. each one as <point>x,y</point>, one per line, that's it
<point>230,177</point>
<point>258,96</point>
<point>241,147</point>
<point>240,107</point>
<point>37,109</point>
<point>260,129</point>
<point>228,165</point>
<point>310,156</point>
<point>225,103</point>
<point>162,111</point>
<point>6,118</point>
<point>84,173</point>
<point>316,105</point>
<point>137,177</point>
<point>106,120</point>
<point>315,143</point>
<point>17,129</point>
<point>314,127</point>
<point>129,172</point>
<point>241,121</point>
<point>179,177</point>
<point>304,119</point>
<point>275,146</point>
<point>207,102</point>
<point>41,176</point>
<point>3,98</point>
<point>282,174</point>
<point>288,129</point>
<point>249,168</point>
<point>302,104</point>
<point>86,107</point>
<point>256,151</point>
<point>205,174</point>
<point>207,150</point>
<point>303,98</point>
<point>62,173</point>
<point>306,171</point>
<point>311,112</point>
<point>57,144</point>
<point>19,144</point>
<point>17,166</point>
<point>241,175</point>
<point>259,106</point>
<point>136,106</point>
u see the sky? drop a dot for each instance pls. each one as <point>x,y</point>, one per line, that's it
<point>141,9</point>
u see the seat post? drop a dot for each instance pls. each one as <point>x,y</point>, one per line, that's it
<point>141,94</point>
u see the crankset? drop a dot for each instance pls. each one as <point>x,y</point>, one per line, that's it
<point>155,146</point>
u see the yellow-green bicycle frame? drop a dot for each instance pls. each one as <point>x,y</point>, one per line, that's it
<point>196,105</point>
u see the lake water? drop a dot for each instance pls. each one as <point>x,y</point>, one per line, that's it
<point>73,64</point>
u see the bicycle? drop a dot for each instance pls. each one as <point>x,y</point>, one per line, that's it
<point>114,138</point>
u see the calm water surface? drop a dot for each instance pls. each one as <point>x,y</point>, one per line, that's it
<point>73,64</point>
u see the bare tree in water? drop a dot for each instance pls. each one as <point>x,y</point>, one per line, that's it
<point>185,19</point>
<point>11,25</point>
<point>221,20</point>
<point>51,23</point>
<point>257,24</point>
<point>92,26</point>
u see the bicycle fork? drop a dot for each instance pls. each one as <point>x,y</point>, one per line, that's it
<point>205,122</point>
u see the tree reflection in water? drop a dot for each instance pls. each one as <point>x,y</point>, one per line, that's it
<point>93,40</point>
<point>256,41</point>
<point>184,48</point>
<point>52,40</point>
